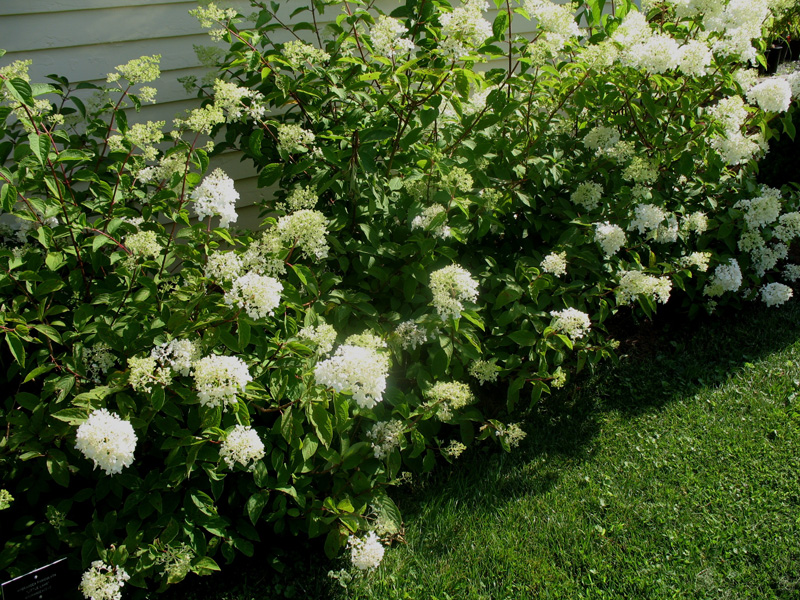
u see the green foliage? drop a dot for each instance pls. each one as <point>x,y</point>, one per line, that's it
<point>436,226</point>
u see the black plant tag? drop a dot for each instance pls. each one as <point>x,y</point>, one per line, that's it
<point>50,582</point>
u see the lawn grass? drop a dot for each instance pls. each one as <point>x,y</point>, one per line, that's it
<point>674,475</point>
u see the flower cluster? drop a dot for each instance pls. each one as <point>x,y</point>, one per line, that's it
<point>449,396</point>
<point>775,294</point>
<point>323,335</point>
<point>293,138</point>
<point>98,359</point>
<point>465,28</point>
<point>385,437</point>
<point>305,230</point>
<point>223,266</point>
<point>726,278</point>
<point>633,283</point>
<point>242,445</point>
<point>139,70</point>
<point>411,335</point>
<point>258,295</point>
<point>485,371</point>
<point>219,378</point>
<point>555,263</point>
<point>451,286</point>
<point>178,355</point>
<point>647,217</point>
<point>103,582</point>
<point>387,38</point>
<point>610,237</point>
<point>454,449</point>
<point>143,372</point>
<point>216,196</point>
<point>367,553</point>
<point>301,197</point>
<point>556,23</point>
<point>588,195</point>
<point>512,434</point>
<point>107,440</point>
<point>144,136</point>
<point>362,371</point>
<point>424,221</point>
<point>297,52</point>
<point>230,98</point>
<point>763,210</point>
<point>571,322</point>
<point>144,244</point>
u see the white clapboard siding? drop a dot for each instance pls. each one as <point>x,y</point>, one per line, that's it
<point>84,40</point>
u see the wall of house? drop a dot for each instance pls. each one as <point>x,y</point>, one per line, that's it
<point>84,40</point>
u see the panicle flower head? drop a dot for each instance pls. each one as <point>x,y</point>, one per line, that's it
<point>763,210</point>
<point>726,278</point>
<point>323,335</point>
<point>555,21</point>
<point>178,355</point>
<point>106,440</point>
<point>735,148</point>
<point>730,112</point>
<point>633,283</point>
<point>144,244</point>
<point>641,170</point>
<point>454,449</point>
<point>5,499</point>
<point>258,295</point>
<point>773,94</point>
<point>216,196</point>
<point>485,371</point>
<point>305,230</point>
<point>791,272</point>
<point>699,260</point>
<point>301,197</point>
<point>367,553</point>
<point>647,217</point>
<point>387,38</point>
<point>555,263</point>
<point>610,237</point>
<point>219,378</point>
<point>103,582</point>
<point>411,335</point>
<point>449,396</point>
<point>98,359</point>
<point>788,227</point>
<point>223,266</point>
<point>230,98</point>
<point>138,70</point>
<point>424,221</point>
<point>141,135</point>
<point>242,445</point>
<point>212,15</point>
<point>451,286</point>
<point>459,179</point>
<point>695,58</point>
<point>201,120</point>
<point>363,371</point>
<point>571,322</point>
<point>601,138</point>
<point>775,294</point>
<point>293,138</point>
<point>465,28</point>
<point>385,437</point>
<point>297,52</point>
<point>588,195</point>
<point>697,222</point>
<point>634,29</point>
<point>512,434</point>
<point>144,373</point>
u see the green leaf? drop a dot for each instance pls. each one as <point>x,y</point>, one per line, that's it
<point>205,566</point>
<point>57,467</point>
<point>19,90</point>
<point>524,338</point>
<point>49,331</point>
<point>73,416</point>
<point>321,420</point>
<point>333,543</point>
<point>500,24</point>
<point>255,505</point>
<point>270,174</point>
<point>16,347</point>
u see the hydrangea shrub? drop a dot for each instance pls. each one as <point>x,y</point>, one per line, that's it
<point>460,208</point>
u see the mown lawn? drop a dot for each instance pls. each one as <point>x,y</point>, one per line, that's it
<point>674,475</point>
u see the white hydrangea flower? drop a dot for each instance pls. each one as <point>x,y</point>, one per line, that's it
<point>451,286</point>
<point>775,294</point>
<point>385,437</point>
<point>667,231</point>
<point>511,433</point>
<point>657,54</point>
<point>242,445</point>
<point>449,396</point>
<point>555,263</point>
<point>571,322</point>
<point>216,196</point>
<point>465,28</point>
<point>219,378</point>
<point>791,272</point>
<point>735,148</point>
<point>362,371</point>
<point>731,113</point>
<point>179,355</point>
<point>297,52</point>
<point>98,359</point>
<point>366,339</point>
<point>367,553</point>
<point>697,222</point>
<point>301,197</point>
<point>293,138</point>
<point>485,371</point>
<point>223,266</point>
<point>610,237</point>
<point>763,210</point>
<point>773,94</point>
<point>323,335</point>
<point>699,260</point>
<point>634,29</point>
<point>305,230</point>
<point>454,449</point>
<point>640,170</point>
<point>144,372</point>
<point>647,217</point>
<point>106,440</point>
<point>144,244</point>
<point>387,37</point>
<point>588,195</point>
<point>424,220</point>
<point>726,278</point>
<point>695,58</point>
<point>230,98</point>
<point>788,227</point>
<point>411,335</point>
<point>633,283</point>
<point>556,22</point>
<point>258,295</point>
<point>601,139</point>
<point>103,582</point>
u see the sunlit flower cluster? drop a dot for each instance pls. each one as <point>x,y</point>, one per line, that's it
<point>388,39</point>
<point>216,196</point>
<point>633,283</point>
<point>727,278</point>
<point>485,371</point>
<point>144,372</point>
<point>647,217</point>
<point>587,195</point>
<point>143,244</point>
<point>367,553</point>
<point>448,397</point>
<point>385,436</point>
<point>775,294</point>
<point>572,322</point>
<point>258,295</point>
<point>556,22</point>
<point>411,335</point>
<point>219,378</point>
<point>763,210</point>
<point>242,445</point>
<point>698,260</point>
<point>301,197</point>
<point>451,287</point>
<point>362,371</point>
<point>465,28</point>
<point>178,355</point>
<point>223,266</point>
<point>144,136</point>
<point>296,52</point>
<point>139,70</point>
<point>610,237</point>
<point>230,98</point>
<point>293,138</point>
<point>103,582</point>
<point>106,440</point>
<point>305,230</point>
<point>323,335</point>
<point>424,220</point>
<point>555,263</point>
<point>512,434</point>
